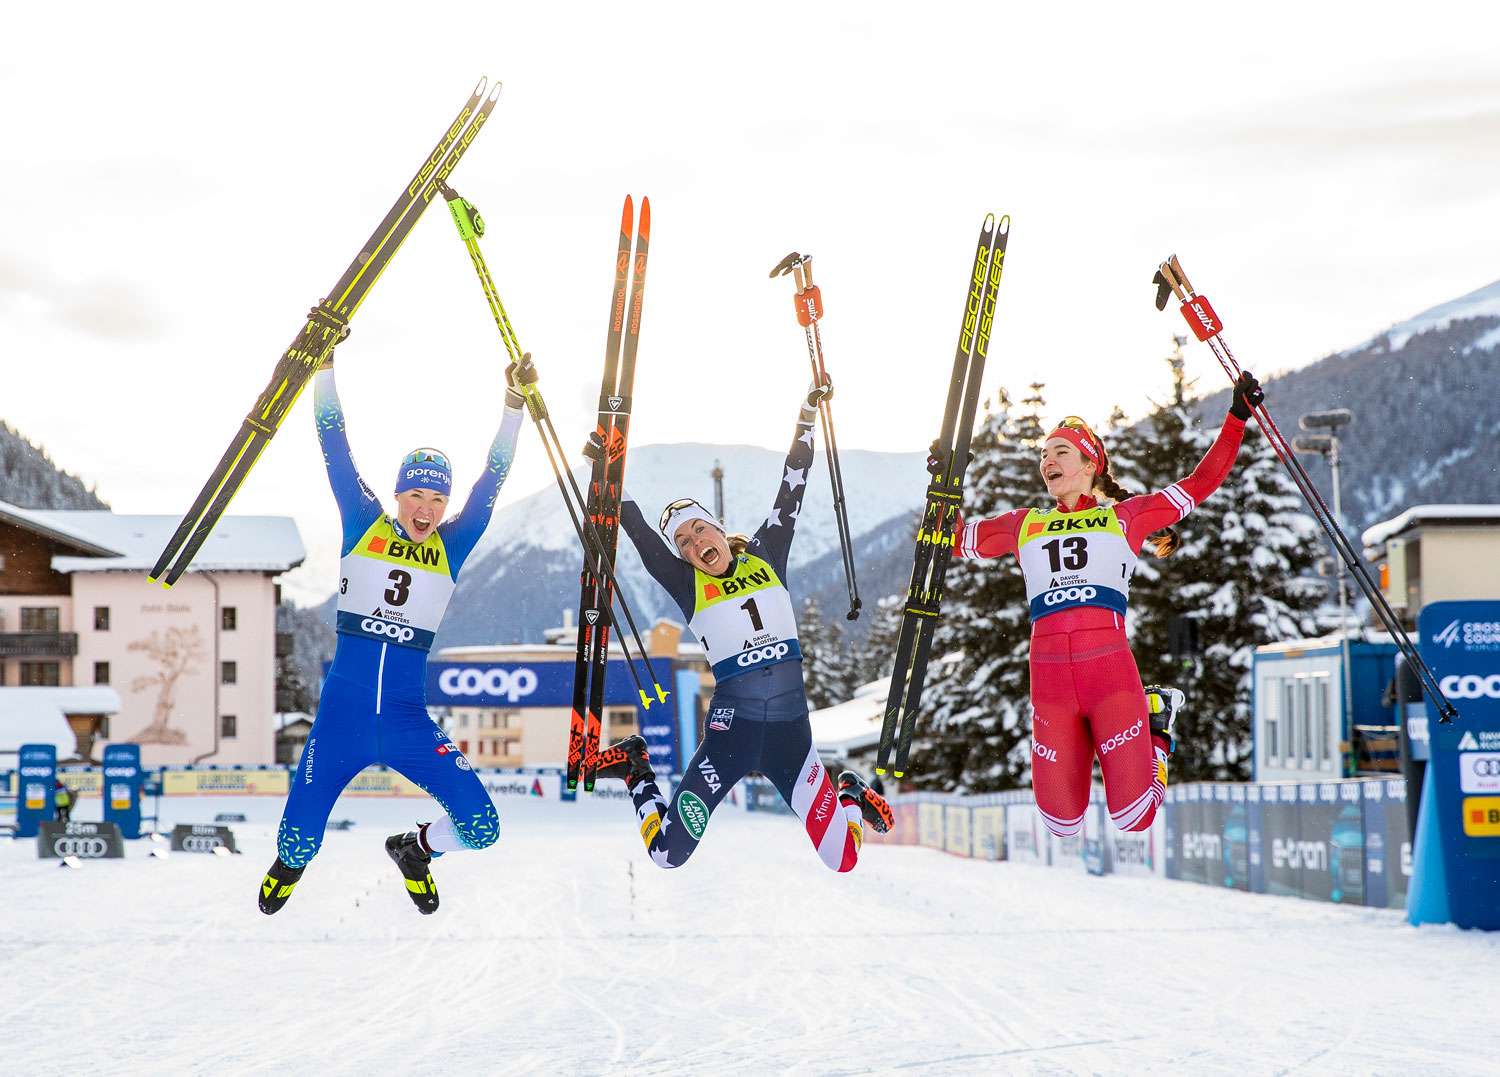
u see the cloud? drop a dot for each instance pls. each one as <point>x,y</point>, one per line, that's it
<point>107,306</point>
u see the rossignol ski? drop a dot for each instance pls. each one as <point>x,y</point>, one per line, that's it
<point>327,324</point>
<point>947,463</point>
<point>1208,328</point>
<point>606,482</point>
<point>470,228</point>
<point>809,304</point>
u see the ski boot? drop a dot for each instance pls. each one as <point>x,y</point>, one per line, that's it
<point>277,886</point>
<point>407,852</point>
<point>1163,705</point>
<point>628,760</point>
<point>872,806</point>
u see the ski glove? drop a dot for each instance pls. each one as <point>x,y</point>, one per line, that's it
<point>518,376</point>
<point>594,447</point>
<point>1247,396</point>
<point>817,394</point>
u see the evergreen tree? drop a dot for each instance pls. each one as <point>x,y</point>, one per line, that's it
<point>974,725</point>
<point>1243,573</point>
<point>827,669</point>
<point>877,657</point>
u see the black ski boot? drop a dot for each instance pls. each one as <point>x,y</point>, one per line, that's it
<point>277,886</point>
<point>628,760</point>
<point>873,806</point>
<point>407,852</point>
<point>1163,705</point>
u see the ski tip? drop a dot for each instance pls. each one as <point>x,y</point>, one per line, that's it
<point>989,223</point>
<point>1003,228</point>
<point>627,216</point>
<point>495,93</point>
<point>880,770</point>
<point>645,225</point>
<point>480,85</point>
<point>900,773</point>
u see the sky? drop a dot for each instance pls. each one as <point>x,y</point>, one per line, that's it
<point>186,180</point>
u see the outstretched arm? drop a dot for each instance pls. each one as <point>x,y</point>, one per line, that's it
<point>1166,507</point>
<point>674,574</point>
<point>461,534</point>
<point>358,507</point>
<point>773,539</point>
<point>994,537</point>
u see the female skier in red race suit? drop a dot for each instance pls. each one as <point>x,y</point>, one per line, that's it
<point>1077,557</point>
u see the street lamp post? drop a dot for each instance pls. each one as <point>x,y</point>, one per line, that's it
<point>1327,445</point>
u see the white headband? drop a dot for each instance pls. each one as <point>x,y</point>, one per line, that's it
<point>677,517</point>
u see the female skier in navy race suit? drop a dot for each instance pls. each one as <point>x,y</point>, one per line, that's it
<point>732,592</point>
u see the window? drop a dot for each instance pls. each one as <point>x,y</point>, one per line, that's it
<point>463,721</point>
<point>1270,753</point>
<point>1325,729</point>
<point>1307,723</point>
<point>228,726</point>
<point>39,619</point>
<point>227,618</point>
<point>39,674</point>
<point>101,672</point>
<point>104,727</point>
<point>230,673</point>
<point>463,746</point>
<point>101,619</point>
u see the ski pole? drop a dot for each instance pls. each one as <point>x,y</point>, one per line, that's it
<point>809,304</point>
<point>1208,328</point>
<point>470,227</point>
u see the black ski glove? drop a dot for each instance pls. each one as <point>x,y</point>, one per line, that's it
<point>517,377</point>
<point>594,447</point>
<point>1247,396</point>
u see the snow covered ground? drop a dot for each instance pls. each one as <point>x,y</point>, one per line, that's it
<point>564,950</point>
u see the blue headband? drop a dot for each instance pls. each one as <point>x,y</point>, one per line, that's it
<point>427,469</point>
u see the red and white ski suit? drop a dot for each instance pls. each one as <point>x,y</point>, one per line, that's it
<point>1086,693</point>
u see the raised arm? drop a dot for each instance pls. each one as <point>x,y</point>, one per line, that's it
<point>461,534</point>
<point>994,537</point>
<point>358,507</point>
<point>674,574</point>
<point>773,539</point>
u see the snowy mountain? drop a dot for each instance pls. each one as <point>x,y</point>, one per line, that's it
<point>30,480</point>
<point>1425,423</point>
<point>526,570</point>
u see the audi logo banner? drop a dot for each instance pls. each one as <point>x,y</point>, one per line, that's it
<point>87,841</point>
<point>201,838</point>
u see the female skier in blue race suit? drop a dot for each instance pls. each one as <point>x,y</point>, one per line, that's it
<point>732,593</point>
<point>397,576</point>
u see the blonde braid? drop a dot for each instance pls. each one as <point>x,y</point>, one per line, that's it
<point>1161,542</point>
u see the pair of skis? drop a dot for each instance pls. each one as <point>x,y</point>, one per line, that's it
<point>327,324</point>
<point>597,542</point>
<point>1208,328</point>
<point>809,304</point>
<point>947,463</point>
<point>606,484</point>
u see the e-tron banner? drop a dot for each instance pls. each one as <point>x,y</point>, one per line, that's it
<point>530,684</point>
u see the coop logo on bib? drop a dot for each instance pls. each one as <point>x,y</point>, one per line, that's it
<point>1071,595</point>
<point>399,633</point>
<point>764,654</point>
<point>693,813</point>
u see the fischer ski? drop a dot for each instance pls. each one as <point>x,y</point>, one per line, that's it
<point>809,304</point>
<point>947,463</point>
<point>327,325</point>
<point>1208,328</point>
<point>606,483</point>
<point>470,228</point>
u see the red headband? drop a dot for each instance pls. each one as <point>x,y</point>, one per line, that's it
<point>1079,439</point>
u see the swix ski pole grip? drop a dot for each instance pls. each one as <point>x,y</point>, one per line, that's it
<point>1201,318</point>
<point>809,306</point>
<point>1179,274</point>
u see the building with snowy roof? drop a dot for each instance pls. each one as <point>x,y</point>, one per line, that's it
<point>192,669</point>
<point>1436,553</point>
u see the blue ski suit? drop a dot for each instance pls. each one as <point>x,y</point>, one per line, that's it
<point>373,707</point>
<point>758,717</point>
